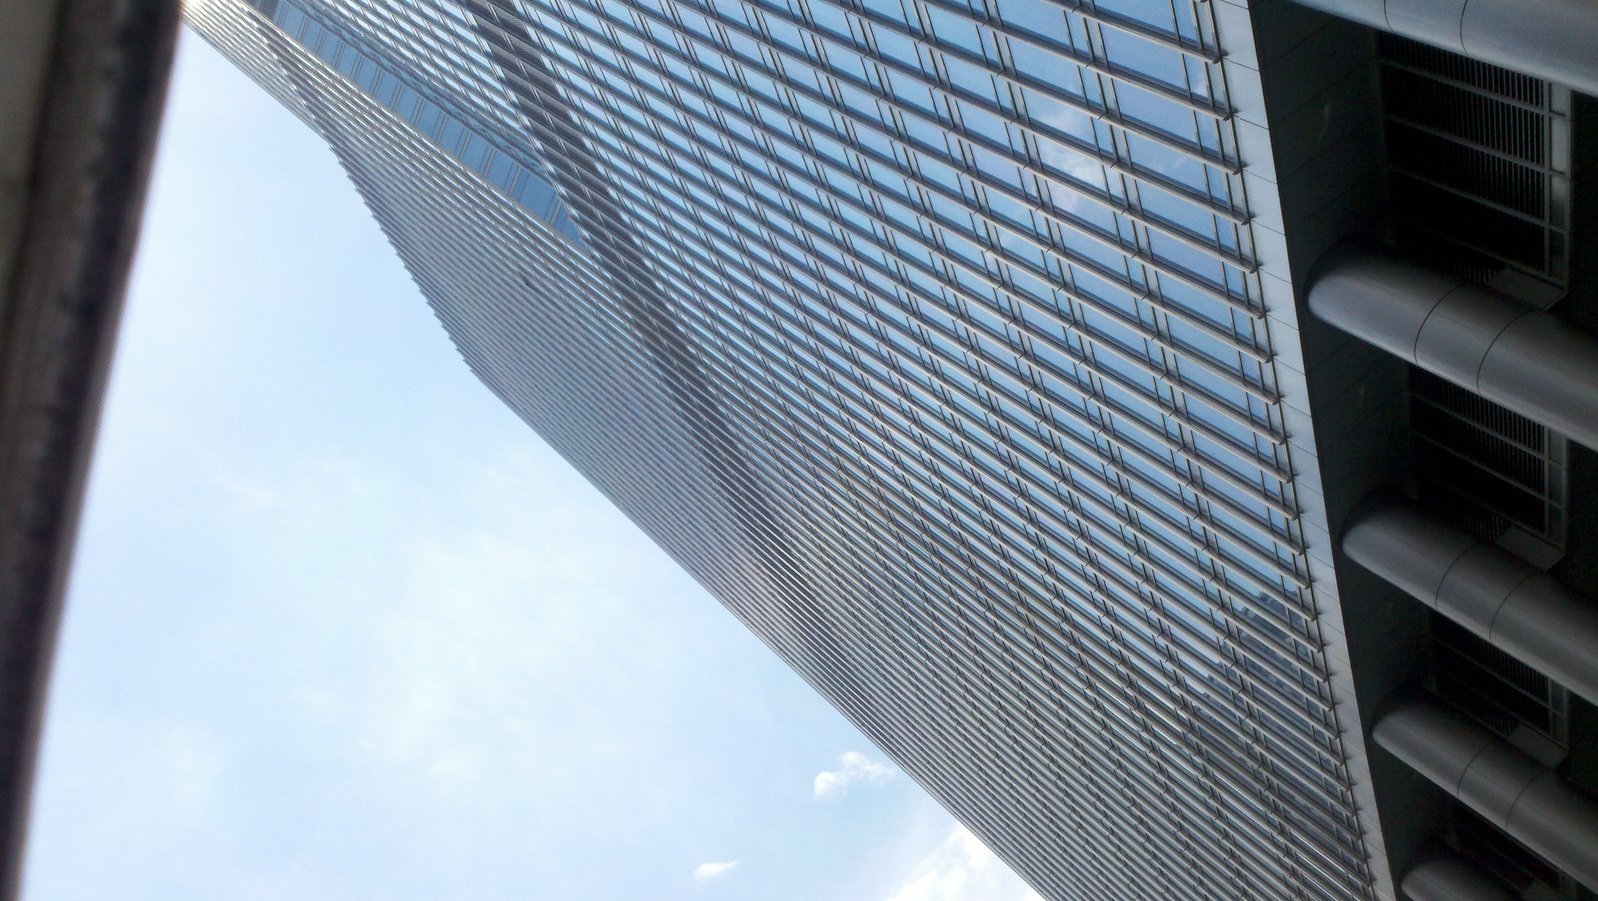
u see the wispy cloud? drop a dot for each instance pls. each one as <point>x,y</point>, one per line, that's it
<point>853,767</point>
<point>960,868</point>
<point>713,869</point>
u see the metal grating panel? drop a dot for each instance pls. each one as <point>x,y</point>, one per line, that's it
<point>1492,468</point>
<point>1479,162</point>
<point>1497,853</point>
<point>1479,183</point>
<point>1439,63</point>
<point>1495,688</point>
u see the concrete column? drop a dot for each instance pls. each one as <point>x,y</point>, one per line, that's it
<point>1494,594</point>
<point>1442,875</point>
<point>1507,787</point>
<point>1552,39</point>
<point>1498,347</point>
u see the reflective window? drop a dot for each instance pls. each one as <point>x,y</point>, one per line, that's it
<point>1081,436</point>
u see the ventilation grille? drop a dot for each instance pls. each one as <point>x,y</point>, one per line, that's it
<point>1475,155</point>
<point>1475,189</point>
<point>1469,170</point>
<point>1495,852</point>
<point>1490,467</point>
<point>1493,687</point>
<point>1464,114</point>
<point>1400,52</point>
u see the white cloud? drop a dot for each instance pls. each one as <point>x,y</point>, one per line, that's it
<point>961,868</point>
<point>853,767</point>
<point>713,869</point>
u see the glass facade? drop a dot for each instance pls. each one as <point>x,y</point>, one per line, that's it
<point>931,336</point>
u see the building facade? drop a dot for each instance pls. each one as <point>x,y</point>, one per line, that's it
<point>1073,393</point>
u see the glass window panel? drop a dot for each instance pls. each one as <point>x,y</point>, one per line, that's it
<point>1128,51</point>
<point>1199,341</point>
<point>1156,14</point>
<point>1190,299</point>
<point>955,30</point>
<point>971,79</point>
<point>1174,252</point>
<point>784,33</point>
<point>829,18</point>
<point>983,123</point>
<point>997,168</point>
<point>1043,67</point>
<point>1058,117</point>
<point>1179,211</point>
<point>1198,78</point>
<point>1039,17</point>
<point>939,173</point>
<point>897,47</point>
<point>1179,168</point>
<point>1156,111</point>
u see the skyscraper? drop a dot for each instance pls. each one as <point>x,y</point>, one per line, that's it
<point>1071,392</point>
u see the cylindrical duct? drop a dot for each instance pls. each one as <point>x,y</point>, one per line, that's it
<point>1552,39</point>
<point>1494,594</point>
<point>1441,875</point>
<point>1510,789</point>
<point>1477,338</point>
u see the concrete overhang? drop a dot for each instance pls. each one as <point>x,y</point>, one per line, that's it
<point>81,90</point>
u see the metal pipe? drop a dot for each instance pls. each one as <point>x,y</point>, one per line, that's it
<point>1473,336</point>
<point>1510,789</point>
<point>1441,875</point>
<point>1552,39</point>
<point>1496,595</point>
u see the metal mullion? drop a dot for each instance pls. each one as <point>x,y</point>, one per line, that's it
<point>1156,564</point>
<point>1174,411</point>
<point>1199,360</point>
<point>727,447</point>
<point>1322,852</point>
<point>1090,14</point>
<point>1184,355</point>
<point>1311,860</point>
<point>993,676</point>
<point>1140,786</point>
<point>870,89</point>
<point>1160,595</point>
<point>1225,407</point>
<point>1066,55</point>
<point>1092,695</point>
<point>358,40</point>
<point>1310,770</point>
<point>1271,826</point>
<point>1193,459</point>
<point>1189,810</point>
<point>1170,701</point>
<point>1238,817</point>
<point>999,657</point>
<point>1175,42</point>
<point>1266,662</point>
<point>1149,838</point>
<point>1152,333</point>
<point>1067,350</point>
<point>1196,283</point>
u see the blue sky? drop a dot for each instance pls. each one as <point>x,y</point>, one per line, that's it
<point>342,627</point>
